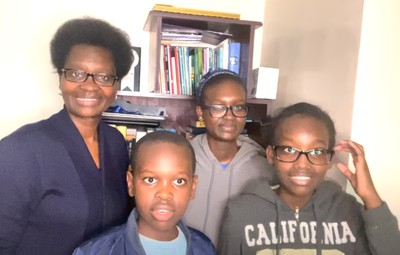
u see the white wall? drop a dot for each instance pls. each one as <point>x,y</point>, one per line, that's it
<point>315,43</point>
<point>344,56</point>
<point>29,85</point>
<point>376,121</point>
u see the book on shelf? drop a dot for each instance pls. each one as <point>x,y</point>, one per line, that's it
<point>234,57</point>
<point>214,37</point>
<point>186,61</point>
<point>222,54</point>
<point>183,10</point>
<point>181,68</point>
<point>174,34</point>
<point>174,88</point>
<point>199,64</point>
<point>168,68</point>
<point>163,75</point>
<point>191,72</point>
<point>166,27</point>
<point>180,36</point>
<point>177,70</point>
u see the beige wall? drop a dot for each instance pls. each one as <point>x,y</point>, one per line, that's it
<point>376,121</point>
<point>315,43</point>
<point>316,46</point>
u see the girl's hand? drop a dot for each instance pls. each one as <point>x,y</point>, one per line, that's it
<point>361,178</point>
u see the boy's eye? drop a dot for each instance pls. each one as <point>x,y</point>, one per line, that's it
<point>180,181</point>
<point>150,180</point>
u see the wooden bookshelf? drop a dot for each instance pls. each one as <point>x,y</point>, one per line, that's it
<point>181,108</point>
<point>242,31</point>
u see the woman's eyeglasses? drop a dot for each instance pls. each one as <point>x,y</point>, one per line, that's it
<point>219,111</point>
<point>101,79</point>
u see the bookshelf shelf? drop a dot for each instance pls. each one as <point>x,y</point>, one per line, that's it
<point>154,95</point>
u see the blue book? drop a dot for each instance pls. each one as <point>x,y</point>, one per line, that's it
<point>234,57</point>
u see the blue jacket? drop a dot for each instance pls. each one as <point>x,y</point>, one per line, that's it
<point>125,240</point>
<point>52,195</point>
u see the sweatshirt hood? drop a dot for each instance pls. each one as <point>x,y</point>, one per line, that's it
<point>248,148</point>
<point>317,207</point>
<point>324,193</point>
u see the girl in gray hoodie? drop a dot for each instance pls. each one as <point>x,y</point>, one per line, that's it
<point>305,214</point>
<point>225,160</point>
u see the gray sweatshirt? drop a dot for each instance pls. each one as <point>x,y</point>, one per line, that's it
<point>217,185</point>
<point>332,222</point>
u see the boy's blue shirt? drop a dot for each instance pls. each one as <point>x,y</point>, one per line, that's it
<point>125,239</point>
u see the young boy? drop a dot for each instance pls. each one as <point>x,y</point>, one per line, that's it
<point>305,214</point>
<point>162,182</point>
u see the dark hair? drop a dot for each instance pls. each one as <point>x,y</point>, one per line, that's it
<point>215,77</point>
<point>94,32</point>
<point>161,137</point>
<point>306,109</point>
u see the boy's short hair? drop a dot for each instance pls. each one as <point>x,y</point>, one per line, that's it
<point>161,137</point>
<point>306,109</point>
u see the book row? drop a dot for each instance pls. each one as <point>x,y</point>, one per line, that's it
<point>181,67</point>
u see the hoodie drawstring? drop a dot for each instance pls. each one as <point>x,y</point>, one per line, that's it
<point>318,235</point>
<point>278,227</point>
<point>319,230</point>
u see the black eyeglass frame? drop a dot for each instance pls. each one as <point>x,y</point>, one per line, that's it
<point>209,107</point>
<point>300,152</point>
<point>114,77</point>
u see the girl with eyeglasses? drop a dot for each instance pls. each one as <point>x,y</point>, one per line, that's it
<point>225,160</point>
<point>306,214</point>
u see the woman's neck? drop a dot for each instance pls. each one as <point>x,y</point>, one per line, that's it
<point>224,151</point>
<point>88,130</point>
<point>87,127</point>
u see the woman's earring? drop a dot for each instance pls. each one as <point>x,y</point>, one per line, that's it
<point>201,118</point>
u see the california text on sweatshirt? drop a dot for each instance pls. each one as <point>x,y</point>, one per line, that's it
<point>332,222</point>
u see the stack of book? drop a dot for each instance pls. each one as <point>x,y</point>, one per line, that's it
<point>187,54</point>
